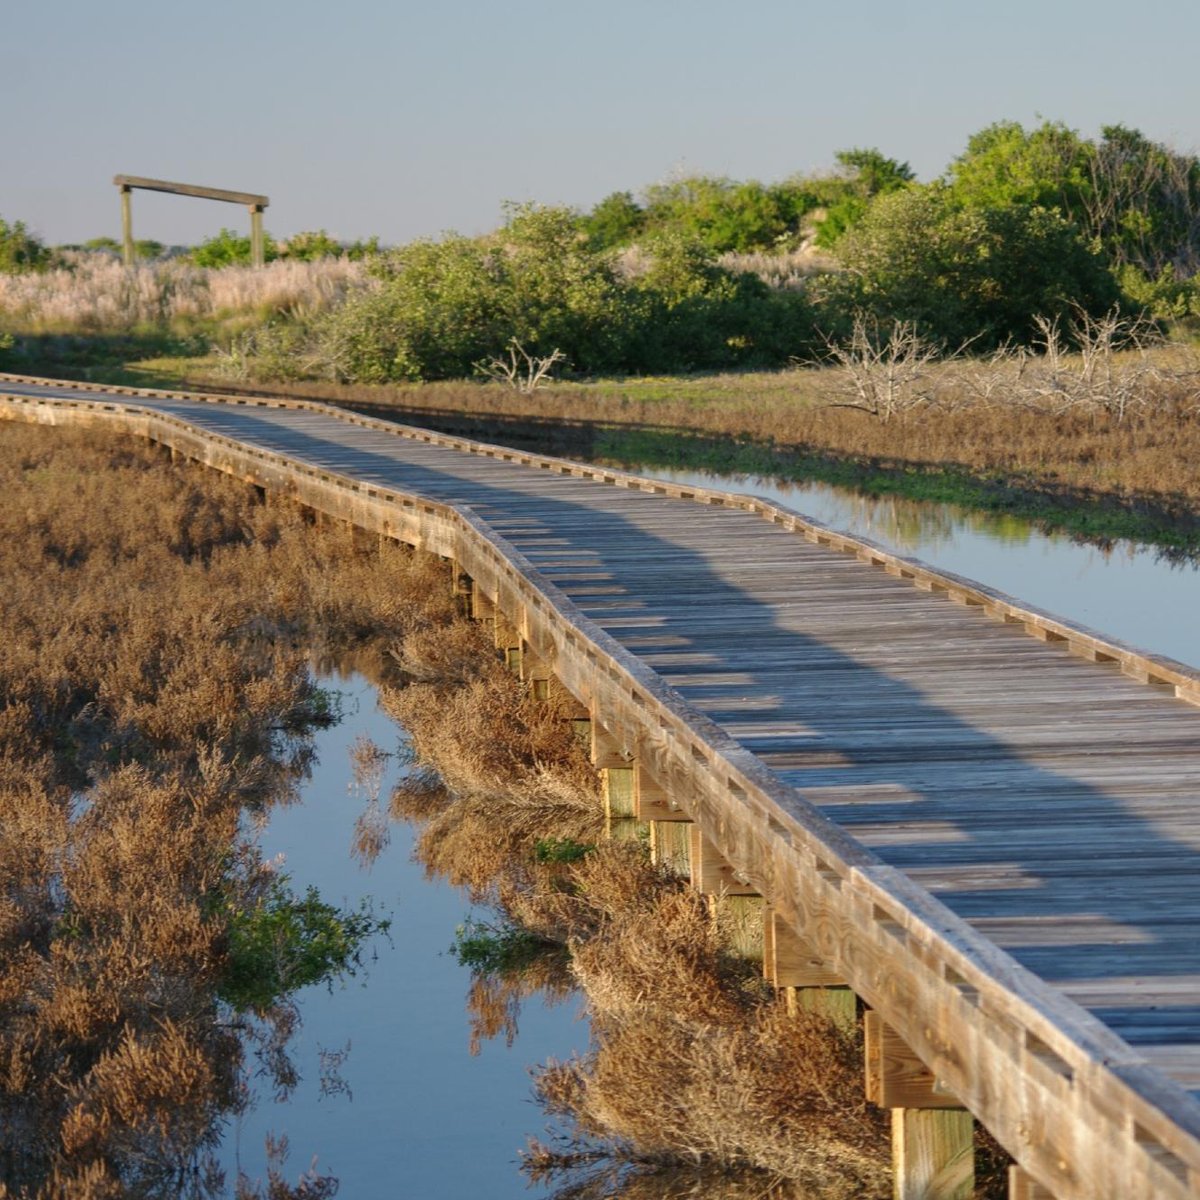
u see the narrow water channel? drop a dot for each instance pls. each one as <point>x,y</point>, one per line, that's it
<point>422,1118</point>
<point>1127,591</point>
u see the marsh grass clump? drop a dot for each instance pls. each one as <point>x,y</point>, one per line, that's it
<point>154,688</point>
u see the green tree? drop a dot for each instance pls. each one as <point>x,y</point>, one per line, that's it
<point>865,174</point>
<point>617,220</point>
<point>1145,204</point>
<point>1135,197</point>
<point>144,248</point>
<point>1005,164</point>
<point>959,274</point>
<point>724,215</point>
<point>20,250</point>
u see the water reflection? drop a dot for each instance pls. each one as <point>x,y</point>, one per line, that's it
<point>419,1115</point>
<point>1124,590</point>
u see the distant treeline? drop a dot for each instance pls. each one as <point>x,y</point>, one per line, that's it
<point>703,273</point>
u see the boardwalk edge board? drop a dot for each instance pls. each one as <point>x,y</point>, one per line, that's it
<point>1080,1109</point>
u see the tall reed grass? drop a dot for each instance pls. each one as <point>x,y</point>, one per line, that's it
<point>94,293</point>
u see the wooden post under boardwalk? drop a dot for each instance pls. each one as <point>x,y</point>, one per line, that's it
<point>254,202</point>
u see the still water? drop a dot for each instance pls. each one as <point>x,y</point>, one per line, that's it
<point>1128,592</point>
<point>424,1118</point>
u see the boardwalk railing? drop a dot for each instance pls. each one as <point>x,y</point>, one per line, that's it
<point>1080,1109</point>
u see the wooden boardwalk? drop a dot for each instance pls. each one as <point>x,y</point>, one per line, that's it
<point>984,820</point>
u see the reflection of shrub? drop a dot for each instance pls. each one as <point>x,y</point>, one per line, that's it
<point>504,947</point>
<point>561,850</point>
<point>286,942</point>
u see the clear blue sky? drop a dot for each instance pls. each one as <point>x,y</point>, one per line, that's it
<point>405,119</point>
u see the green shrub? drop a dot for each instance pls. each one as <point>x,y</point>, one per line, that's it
<point>20,250</point>
<point>309,245</point>
<point>442,307</point>
<point>962,274</point>
<point>229,249</point>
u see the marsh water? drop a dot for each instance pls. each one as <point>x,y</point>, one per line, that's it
<point>409,1112</point>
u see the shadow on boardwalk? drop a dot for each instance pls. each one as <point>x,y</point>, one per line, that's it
<point>1060,869</point>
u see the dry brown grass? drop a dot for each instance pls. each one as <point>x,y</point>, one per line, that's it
<point>694,1065</point>
<point>699,1081</point>
<point>509,766</point>
<point>153,683</point>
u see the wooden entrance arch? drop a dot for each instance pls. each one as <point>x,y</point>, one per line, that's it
<point>254,203</point>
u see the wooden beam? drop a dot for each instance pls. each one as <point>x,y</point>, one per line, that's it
<point>606,750</point>
<point>651,802</point>
<point>1022,1186</point>
<point>250,199</point>
<point>711,874</point>
<point>896,1077</point>
<point>791,960</point>
<point>933,1154</point>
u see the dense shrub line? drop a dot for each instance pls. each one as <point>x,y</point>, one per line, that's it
<point>706,273</point>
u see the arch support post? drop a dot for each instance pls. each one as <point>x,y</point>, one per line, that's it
<point>615,763</point>
<point>258,257</point>
<point>127,248</point>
